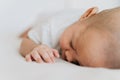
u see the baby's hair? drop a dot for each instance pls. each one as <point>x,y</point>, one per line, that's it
<point>105,24</point>
<point>111,47</point>
<point>112,52</point>
<point>107,44</point>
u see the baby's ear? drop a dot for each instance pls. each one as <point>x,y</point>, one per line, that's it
<point>90,12</point>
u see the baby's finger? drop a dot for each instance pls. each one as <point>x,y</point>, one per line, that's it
<point>28,58</point>
<point>56,53</point>
<point>45,56</point>
<point>51,55</point>
<point>37,57</point>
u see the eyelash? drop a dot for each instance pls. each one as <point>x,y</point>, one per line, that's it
<point>71,45</point>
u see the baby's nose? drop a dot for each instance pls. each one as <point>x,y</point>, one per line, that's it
<point>68,56</point>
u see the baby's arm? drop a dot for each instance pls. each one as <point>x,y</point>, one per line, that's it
<point>39,53</point>
<point>27,46</point>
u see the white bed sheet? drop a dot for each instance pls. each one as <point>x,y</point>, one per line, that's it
<point>14,67</point>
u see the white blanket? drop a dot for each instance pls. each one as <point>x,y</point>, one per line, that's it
<point>14,67</point>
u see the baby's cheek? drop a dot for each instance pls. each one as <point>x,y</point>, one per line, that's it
<point>84,61</point>
<point>83,58</point>
<point>90,60</point>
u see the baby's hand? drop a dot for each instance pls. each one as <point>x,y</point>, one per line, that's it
<point>42,53</point>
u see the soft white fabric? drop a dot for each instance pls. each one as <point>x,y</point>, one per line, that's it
<point>49,31</point>
<point>14,67</point>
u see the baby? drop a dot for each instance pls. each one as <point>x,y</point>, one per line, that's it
<point>93,40</point>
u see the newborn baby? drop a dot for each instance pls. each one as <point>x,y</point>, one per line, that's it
<point>93,41</point>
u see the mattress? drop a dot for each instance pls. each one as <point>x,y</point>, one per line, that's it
<point>14,67</point>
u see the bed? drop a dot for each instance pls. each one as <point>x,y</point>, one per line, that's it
<point>14,67</point>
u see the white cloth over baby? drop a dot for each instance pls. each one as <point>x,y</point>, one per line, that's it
<point>49,31</point>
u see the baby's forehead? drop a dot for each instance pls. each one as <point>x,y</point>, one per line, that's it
<point>91,38</point>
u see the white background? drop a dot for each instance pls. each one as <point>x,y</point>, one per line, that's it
<point>18,14</point>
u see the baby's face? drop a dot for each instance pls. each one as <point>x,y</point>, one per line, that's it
<point>66,43</point>
<point>88,41</point>
<point>70,42</point>
<point>79,46</point>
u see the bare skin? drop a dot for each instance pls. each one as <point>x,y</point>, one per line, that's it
<point>37,52</point>
<point>68,38</point>
<point>84,42</point>
<point>40,52</point>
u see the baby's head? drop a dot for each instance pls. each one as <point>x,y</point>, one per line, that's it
<point>92,41</point>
